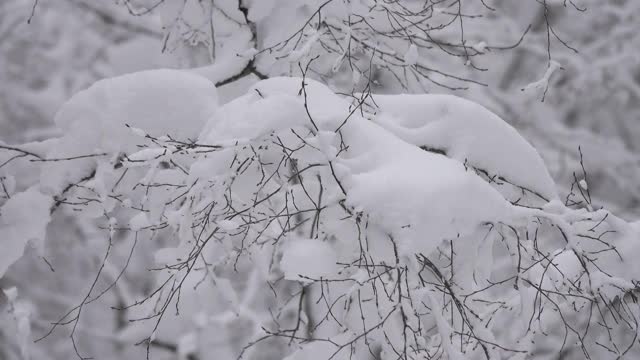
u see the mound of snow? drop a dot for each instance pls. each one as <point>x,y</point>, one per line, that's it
<point>159,102</point>
<point>419,197</point>
<point>416,196</point>
<point>23,218</point>
<point>272,104</point>
<point>467,132</point>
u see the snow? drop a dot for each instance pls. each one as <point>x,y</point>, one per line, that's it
<point>23,219</point>
<point>583,184</point>
<point>154,102</point>
<point>467,132</point>
<point>227,225</point>
<point>297,54</point>
<point>608,285</point>
<point>411,199</point>
<point>417,196</point>
<point>405,182</point>
<point>139,222</point>
<point>146,155</point>
<point>260,9</point>
<point>231,59</point>
<point>20,311</point>
<point>308,258</point>
<point>25,173</point>
<point>138,132</point>
<point>539,87</point>
<point>273,114</point>
<point>223,68</point>
<point>378,192</point>
<point>273,104</point>
<point>445,331</point>
<point>480,47</point>
<point>411,56</point>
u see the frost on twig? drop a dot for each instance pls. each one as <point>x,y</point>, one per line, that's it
<point>542,85</point>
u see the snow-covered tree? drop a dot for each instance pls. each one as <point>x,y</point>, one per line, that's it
<point>491,49</point>
<point>387,226</point>
<point>301,220</point>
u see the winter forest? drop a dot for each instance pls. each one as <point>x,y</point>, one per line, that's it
<point>319,179</point>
